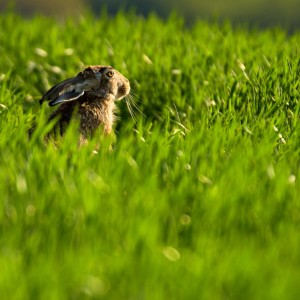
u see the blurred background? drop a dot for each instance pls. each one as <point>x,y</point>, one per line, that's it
<point>285,13</point>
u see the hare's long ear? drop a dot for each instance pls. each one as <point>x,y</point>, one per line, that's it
<point>57,90</point>
<point>70,96</point>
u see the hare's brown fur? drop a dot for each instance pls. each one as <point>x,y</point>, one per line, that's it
<point>92,113</point>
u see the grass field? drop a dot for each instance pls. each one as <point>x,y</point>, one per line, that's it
<point>200,197</point>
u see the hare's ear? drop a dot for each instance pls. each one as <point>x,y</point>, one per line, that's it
<point>70,96</point>
<point>57,90</point>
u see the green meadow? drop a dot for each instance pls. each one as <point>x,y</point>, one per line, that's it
<point>196,197</point>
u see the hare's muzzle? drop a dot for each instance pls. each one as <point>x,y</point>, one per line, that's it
<point>123,90</point>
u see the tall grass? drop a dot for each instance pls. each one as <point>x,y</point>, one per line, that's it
<point>199,199</point>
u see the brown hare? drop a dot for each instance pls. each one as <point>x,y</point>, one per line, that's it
<point>90,98</point>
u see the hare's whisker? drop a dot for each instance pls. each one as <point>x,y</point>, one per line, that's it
<point>134,104</point>
<point>132,114</point>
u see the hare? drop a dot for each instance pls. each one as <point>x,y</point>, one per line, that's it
<point>90,97</point>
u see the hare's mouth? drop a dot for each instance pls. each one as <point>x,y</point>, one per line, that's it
<point>123,91</point>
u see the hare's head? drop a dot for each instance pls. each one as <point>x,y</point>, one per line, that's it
<point>103,82</point>
<point>113,85</point>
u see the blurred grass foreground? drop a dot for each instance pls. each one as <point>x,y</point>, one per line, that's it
<point>258,12</point>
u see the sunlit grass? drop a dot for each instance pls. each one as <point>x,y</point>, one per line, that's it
<point>199,196</point>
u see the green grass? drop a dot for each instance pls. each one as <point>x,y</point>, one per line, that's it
<point>198,200</point>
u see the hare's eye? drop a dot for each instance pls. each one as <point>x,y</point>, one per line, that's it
<point>110,73</point>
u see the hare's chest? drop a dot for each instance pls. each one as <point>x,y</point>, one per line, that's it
<point>94,116</point>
